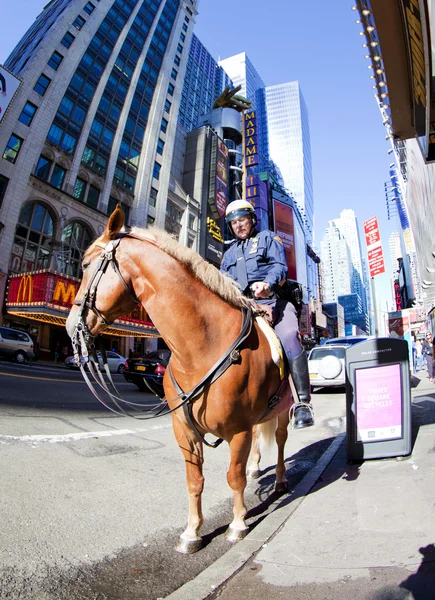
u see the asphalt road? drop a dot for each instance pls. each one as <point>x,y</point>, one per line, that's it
<point>92,504</point>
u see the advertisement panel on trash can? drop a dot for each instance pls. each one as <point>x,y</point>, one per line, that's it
<point>378,399</point>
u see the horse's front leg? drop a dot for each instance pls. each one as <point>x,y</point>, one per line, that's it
<point>255,456</point>
<point>192,449</point>
<point>240,446</point>
<point>281,433</point>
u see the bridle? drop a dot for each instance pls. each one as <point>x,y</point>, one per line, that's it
<point>83,342</point>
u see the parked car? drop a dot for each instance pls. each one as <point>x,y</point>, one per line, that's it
<point>16,345</point>
<point>115,361</point>
<point>147,372</point>
<point>327,366</point>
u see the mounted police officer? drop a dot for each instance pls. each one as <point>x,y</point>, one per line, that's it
<point>256,260</point>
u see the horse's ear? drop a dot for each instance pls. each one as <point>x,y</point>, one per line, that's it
<point>114,224</point>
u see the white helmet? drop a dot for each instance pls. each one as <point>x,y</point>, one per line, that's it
<point>239,208</point>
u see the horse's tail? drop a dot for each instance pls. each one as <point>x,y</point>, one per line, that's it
<point>266,434</point>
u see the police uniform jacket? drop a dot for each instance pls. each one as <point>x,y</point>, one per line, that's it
<point>264,257</point>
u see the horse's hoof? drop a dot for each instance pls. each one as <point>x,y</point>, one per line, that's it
<point>189,546</point>
<point>253,474</point>
<point>281,487</point>
<point>235,535</point>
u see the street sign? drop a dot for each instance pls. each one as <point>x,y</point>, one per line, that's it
<point>375,254</point>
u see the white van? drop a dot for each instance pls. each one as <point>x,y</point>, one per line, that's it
<point>16,345</point>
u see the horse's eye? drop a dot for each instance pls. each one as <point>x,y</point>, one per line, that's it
<point>85,266</point>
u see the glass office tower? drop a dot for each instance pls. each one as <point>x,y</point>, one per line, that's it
<point>204,81</point>
<point>242,72</point>
<point>290,146</point>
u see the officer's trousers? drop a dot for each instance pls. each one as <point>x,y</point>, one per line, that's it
<point>286,326</point>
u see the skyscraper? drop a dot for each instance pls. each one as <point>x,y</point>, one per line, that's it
<point>242,72</point>
<point>337,268</point>
<point>92,125</point>
<point>204,81</point>
<point>348,225</point>
<point>290,146</point>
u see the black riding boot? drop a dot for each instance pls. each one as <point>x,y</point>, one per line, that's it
<point>299,372</point>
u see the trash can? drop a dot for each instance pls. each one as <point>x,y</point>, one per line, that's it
<point>378,399</point>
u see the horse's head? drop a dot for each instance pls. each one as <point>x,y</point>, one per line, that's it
<point>106,291</point>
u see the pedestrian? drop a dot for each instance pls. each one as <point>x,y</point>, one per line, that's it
<point>427,350</point>
<point>256,261</point>
<point>418,356</point>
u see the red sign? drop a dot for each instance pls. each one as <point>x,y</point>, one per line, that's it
<point>374,247</point>
<point>284,228</point>
<point>48,288</point>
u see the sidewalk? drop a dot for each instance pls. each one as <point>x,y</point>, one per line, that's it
<point>364,531</point>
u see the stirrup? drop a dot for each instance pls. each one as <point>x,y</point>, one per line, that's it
<point>297,405</point>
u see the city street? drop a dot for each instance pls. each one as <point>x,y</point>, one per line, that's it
<point>92,504</point>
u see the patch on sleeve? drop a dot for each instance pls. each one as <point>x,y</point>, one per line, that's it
<point>278,239</point>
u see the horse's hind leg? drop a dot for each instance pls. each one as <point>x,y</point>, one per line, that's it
<point>253,471</point>
<point>281,433</point>
<point>240,446</point>
<point>191,447</point>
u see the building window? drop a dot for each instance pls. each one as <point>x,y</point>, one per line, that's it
<point>150,220</point>
<point>174,74</point>
<point>167,106</point>
<point>43,167</point>
<point>160,146</point>
<point>93,196</point>
<point>57,177</point>
<point>184,27</point>
<point>79,22</point>
<point>171,88</point>
<point>190,241</point>
<point>3,186</point>
<point>191,222</point>
<point>42,84</point>
<point>186,18</point>
<point>79,189</point>
<point>189,11</point>
<point>55,60</point>
<point>153,196</point>
<point>182,37</point>
<point>28,113</point>
<point>177,60</point>
<point>76,238</point>
<point>89,8</point>
<point>13,148</point>
<point>164,125</point>
<point>156,170</point>
<point>180,48</point>
<point>67,39</point>
<point>33,242</point>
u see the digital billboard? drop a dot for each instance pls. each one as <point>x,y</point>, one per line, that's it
<point>217,200</point>
<point>284,227</point>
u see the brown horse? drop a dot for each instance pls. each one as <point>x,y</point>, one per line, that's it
<point>198,312</point>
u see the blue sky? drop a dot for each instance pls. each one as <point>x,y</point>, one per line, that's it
<point>318,44</point>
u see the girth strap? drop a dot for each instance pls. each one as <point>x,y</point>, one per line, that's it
<point>231,356</point>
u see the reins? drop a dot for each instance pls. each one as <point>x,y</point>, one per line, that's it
<point>83,342</point>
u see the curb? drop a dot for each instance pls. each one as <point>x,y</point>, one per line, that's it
<point>225,567</point>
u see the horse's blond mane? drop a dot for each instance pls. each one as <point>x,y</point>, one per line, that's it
<point>207,273</point>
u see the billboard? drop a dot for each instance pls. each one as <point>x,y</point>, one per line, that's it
<point>9,85</point>
<point>284,227</point>
<point>374,247</point>
<point>217,200</point>
<point>250,139</point>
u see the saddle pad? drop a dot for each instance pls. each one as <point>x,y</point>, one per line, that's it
<point>274,343</point>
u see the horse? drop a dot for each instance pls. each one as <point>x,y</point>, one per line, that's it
<point>198,311</point>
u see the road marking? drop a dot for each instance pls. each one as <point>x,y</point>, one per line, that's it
<point>40,378</point>
<point>67,437</point>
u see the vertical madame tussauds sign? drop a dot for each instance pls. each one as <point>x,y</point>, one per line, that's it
<point>251,139</point>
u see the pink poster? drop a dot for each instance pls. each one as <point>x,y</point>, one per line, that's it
<point>378,398</point>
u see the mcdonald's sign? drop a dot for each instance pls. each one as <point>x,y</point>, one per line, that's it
<point>25,290</point>
<point>64,293</point>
